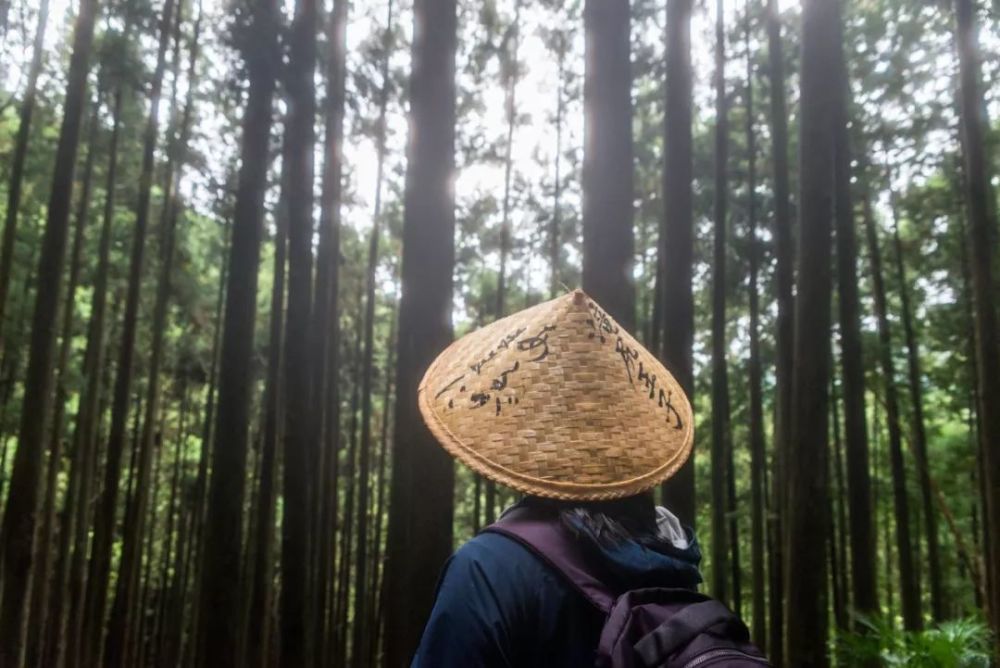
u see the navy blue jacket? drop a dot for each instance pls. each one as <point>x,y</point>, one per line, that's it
<point>499,605</point>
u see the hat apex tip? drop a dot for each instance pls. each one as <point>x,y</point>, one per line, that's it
<point>579,297</point>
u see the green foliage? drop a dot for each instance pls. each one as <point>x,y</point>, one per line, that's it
<point>960,643</point>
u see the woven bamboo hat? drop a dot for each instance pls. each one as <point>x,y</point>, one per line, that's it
<point>559,401</point>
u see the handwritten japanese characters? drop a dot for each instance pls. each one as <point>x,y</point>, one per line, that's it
<point>603,329</point>
<point>535,345</point>
<point>489,383</point>
<point>600,322</point>
<point>540,340</point>
<point>503,345</point>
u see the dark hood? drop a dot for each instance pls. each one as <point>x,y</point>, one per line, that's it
<point>629,561</point>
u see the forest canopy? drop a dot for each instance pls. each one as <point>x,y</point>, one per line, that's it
<point>237,232</point>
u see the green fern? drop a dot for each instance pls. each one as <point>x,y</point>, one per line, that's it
<point>960,643</point>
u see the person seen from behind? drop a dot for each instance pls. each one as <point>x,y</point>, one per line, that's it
<point>563,405</point>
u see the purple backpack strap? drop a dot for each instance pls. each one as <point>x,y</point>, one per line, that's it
<point>552,542</point>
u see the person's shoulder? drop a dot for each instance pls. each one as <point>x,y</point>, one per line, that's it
<point>497,559</point>
<point>495,550</point>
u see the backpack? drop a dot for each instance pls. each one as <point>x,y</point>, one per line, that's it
<point>656,627</point>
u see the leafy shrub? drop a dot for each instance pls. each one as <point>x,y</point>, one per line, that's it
<point>961,643</point>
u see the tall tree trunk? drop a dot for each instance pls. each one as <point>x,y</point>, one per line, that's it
<point>10,360</point>
<point>88,416</point>
<point>721,434</point>
<point>420,534</point>
<point>979,539</point>
<point>511,69</point>
<point>378,577</point>
<point>840,494</point>
<point>297,165</point>
<point>805,577</point>
<point>135,616</point>
<point>347,538</point>
<point>39,619</point>
<point>735,569</point>
<point>852,363</point>
<point>909,591</point>
<point>882,509</point>
<point>104,525</point>
<point>218,597</point>
<point>19,521</point>
<point>784,328</point>
<point>975,422</point>
<point>608,234</point>
<point>173,526</point>
<point>361,644</point>
<point>120,625</point>
<point>179,155</point>
<point>247,573</point>
<point>329,262</point>
<point>758,456</point>
<point>675,249</point>
<point>172,615</point>
<point>734,537</point>
<point>838,609</point>
<point>363,390</point>
<point>982,225</point>
<point>918,428</point>
<point>198,520</point>
<point>134,450</point>
<point>556,222</point>
<point>261,595</point>
<point>25,113</point>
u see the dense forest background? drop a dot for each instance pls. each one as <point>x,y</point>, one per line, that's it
<point>236,233</point>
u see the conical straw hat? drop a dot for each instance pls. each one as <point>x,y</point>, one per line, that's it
<point>559,401</point>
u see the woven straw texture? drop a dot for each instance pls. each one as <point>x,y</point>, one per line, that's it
<point>559,401</point>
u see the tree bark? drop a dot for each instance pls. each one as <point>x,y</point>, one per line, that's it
<point>39,621</point>
<point>361,643</point>
<point>974,422</point>
<point>261,595</point>
<point>347,539</point>
<point>908,589</point>
<point>420,534</point>
<point>838,519</point>
<point>556,222</point>
<point>193,560</point>
<point>608,233</point>
<point>784,327</point>
<point>805,578</point>
<point>87,427</point>
<point>863,561</point>
<point>982,225</point>
<point>299,451</point>
<point>104,525</point>
<point>329,263</point>
<point>758,456</point>
<point>19,521</point>
<point>721,434</point>
<point>219,585</point>
<point>120,625</point>
<point>511,69</point>
<point>25,113</point>
<point>173,528</point>
<point>918,428</point>
<point>378,577</point>
<point>675,250</point>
